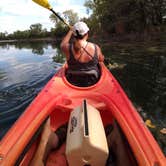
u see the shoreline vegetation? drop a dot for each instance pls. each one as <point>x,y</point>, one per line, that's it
<point>27,40</point>
<point>109,38</point>
<point>109,20</point>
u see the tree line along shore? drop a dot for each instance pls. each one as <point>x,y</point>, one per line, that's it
<point>122,19</point>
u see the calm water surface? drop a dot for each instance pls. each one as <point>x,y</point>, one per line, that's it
<point>140,68</point>
<point>24,70</point>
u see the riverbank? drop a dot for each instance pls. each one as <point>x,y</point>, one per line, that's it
<point>156,36</point>
<point>49,39</point>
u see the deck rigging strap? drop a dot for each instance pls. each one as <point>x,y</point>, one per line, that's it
<point>86,128</point>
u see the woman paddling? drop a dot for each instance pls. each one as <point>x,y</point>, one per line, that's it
<point>82,56</point>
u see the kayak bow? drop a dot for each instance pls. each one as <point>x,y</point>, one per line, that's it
<point>58,98</point>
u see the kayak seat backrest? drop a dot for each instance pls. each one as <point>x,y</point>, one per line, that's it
<point>83,78</point>
<point>91,72</point>
<point>86,140</point>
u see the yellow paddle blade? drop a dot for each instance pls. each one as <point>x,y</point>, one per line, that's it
<point>43,3</point>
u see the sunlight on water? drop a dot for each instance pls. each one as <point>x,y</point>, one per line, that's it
<point>23,73</point>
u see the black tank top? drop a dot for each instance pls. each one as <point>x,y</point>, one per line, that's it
<point>83,74</point>
<point>75,65</point>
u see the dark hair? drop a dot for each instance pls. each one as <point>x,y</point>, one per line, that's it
<point>78,36</point>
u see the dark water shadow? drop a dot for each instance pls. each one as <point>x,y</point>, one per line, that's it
<point>145,85</point>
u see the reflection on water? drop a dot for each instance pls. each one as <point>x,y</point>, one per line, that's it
<point>140,68</point>
<point>23,72</point>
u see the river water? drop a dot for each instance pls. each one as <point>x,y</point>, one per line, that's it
<point>140,68</point>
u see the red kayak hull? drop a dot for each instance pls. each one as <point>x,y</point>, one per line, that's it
<point>59,97</point>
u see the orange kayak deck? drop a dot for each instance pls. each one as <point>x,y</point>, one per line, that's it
<point>59,97</point>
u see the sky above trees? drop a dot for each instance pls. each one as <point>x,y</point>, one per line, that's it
<point>20,14</point>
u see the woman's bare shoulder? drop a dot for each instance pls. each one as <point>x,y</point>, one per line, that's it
<point>99,52</point>
<point>94,44</point>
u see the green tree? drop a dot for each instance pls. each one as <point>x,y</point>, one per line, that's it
<point>126,15</point>
<point>36,30</point>
<point>71,16</point>
<point>60,28</point>
<point>36,27</point>
<point>3,35</point>
<point>54,19</point>
<point>93,21</point>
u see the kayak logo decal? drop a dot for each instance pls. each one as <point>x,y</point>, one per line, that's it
<point>73,124</point>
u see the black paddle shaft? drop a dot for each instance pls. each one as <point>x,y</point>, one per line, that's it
<point>60,17</point>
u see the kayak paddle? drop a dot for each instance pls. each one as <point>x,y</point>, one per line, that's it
<point>45,4</point>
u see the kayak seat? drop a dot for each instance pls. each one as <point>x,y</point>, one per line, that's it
<point>83,78</point>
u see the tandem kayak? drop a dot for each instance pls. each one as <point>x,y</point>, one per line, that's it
<point>56,102</point>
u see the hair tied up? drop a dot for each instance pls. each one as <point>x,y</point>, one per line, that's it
<point>77,33</point>
<point>78,36</point>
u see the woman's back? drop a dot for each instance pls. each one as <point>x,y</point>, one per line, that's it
<point>82,56</point>
<point>86,52</point>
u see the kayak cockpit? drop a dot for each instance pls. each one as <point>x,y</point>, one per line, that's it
<point>88,143</point>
